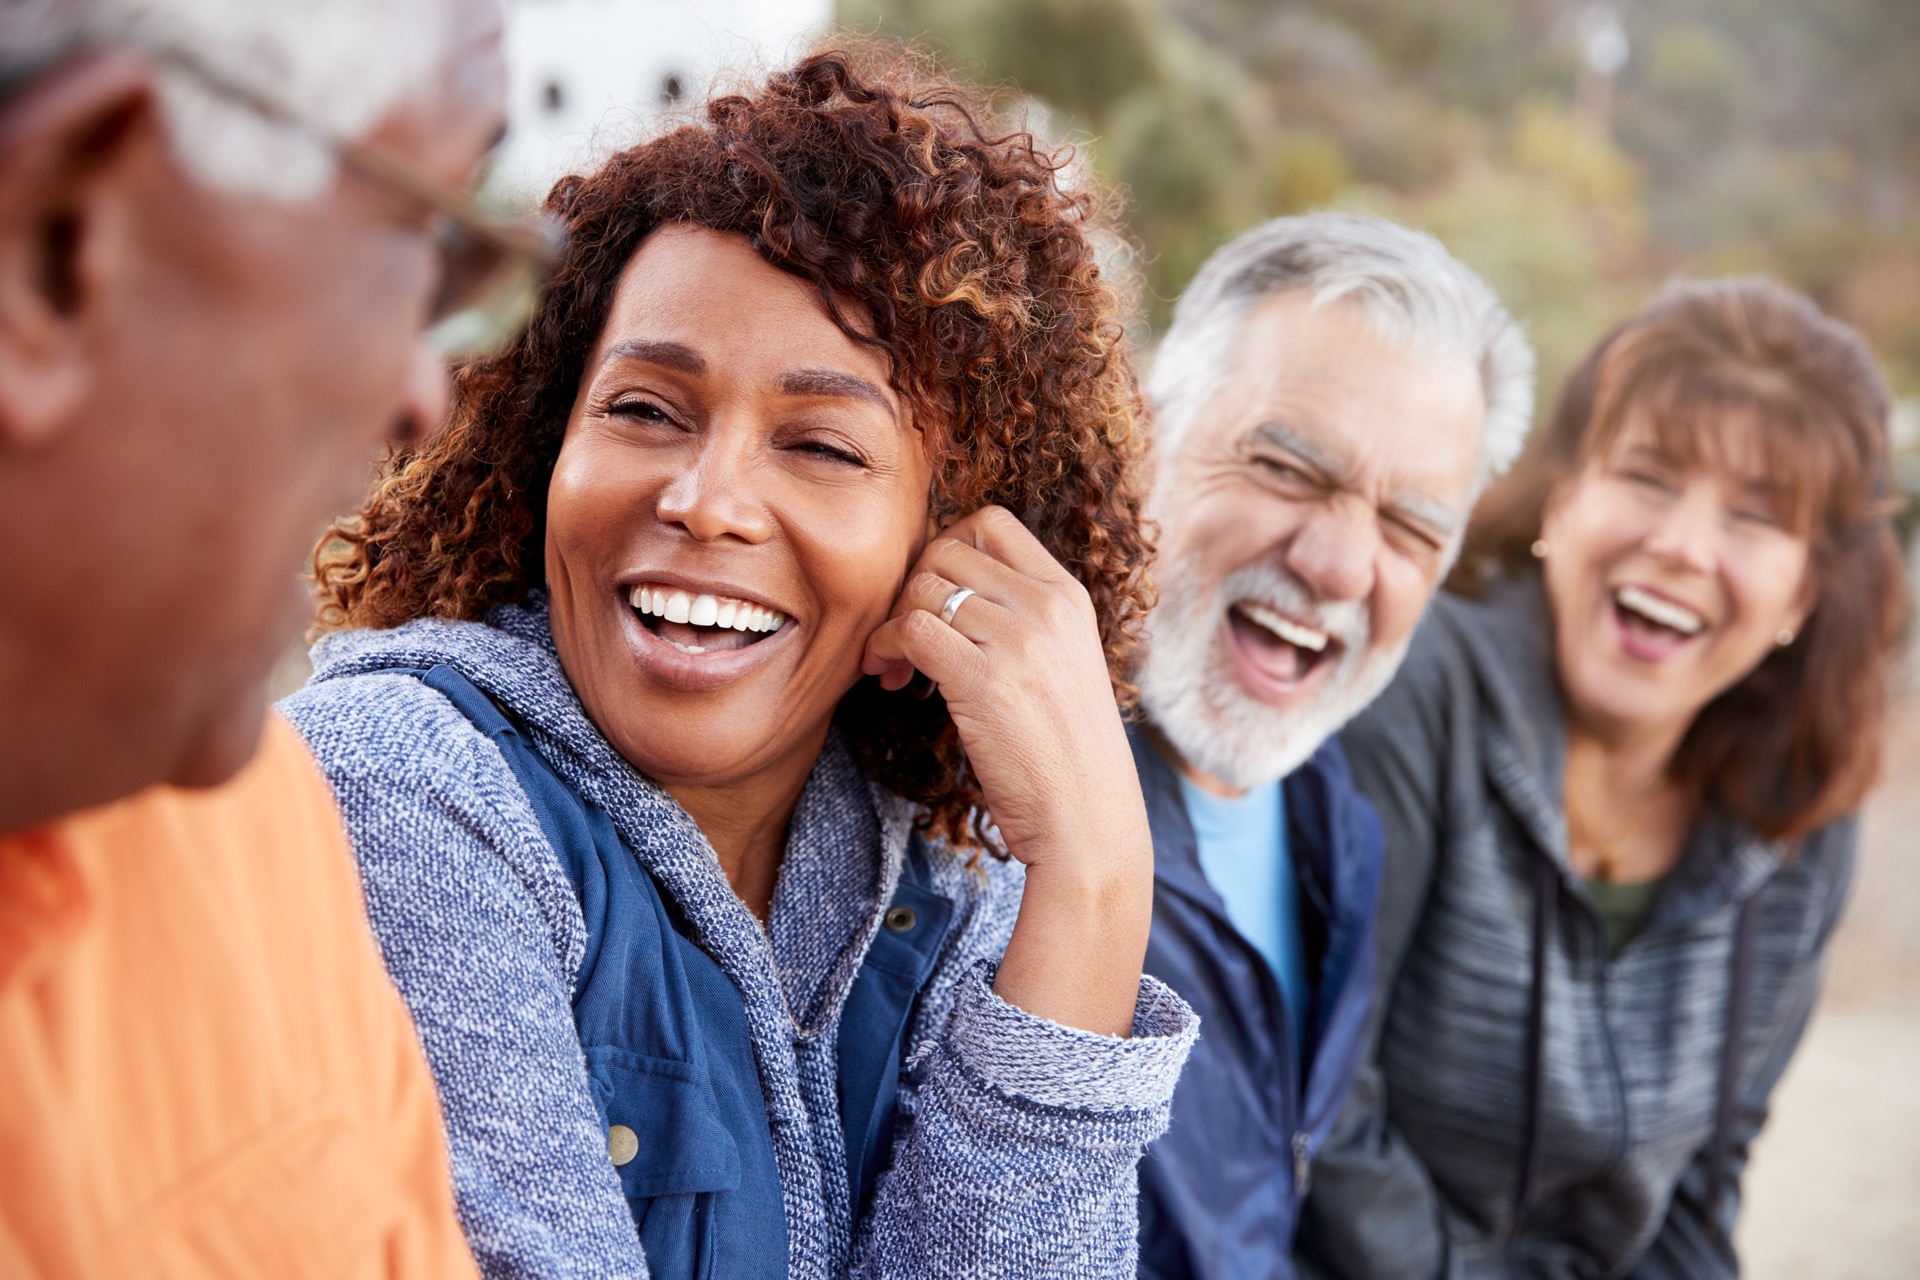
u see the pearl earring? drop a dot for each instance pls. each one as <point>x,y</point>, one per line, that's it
<point>1539,548</point>
<point>1783,637</point>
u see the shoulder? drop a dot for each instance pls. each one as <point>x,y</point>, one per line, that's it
<point>439,823</point>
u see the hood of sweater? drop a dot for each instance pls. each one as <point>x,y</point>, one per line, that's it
<point>845,843</point>
<point>1507,638</point>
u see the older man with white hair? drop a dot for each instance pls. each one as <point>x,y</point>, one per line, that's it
<point>224,225</point>
<point>1333,394</point>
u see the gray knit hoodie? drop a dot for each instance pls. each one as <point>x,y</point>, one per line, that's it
<point>1021,1136</point>
<point>1462,757</point>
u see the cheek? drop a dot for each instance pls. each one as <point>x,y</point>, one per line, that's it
<point>1767,583</point>
<point>1401,591</point>
<point>590,500</point>
<point>859,553</point>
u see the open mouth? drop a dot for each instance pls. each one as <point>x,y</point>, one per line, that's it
<point>1654,623</point>
<point>1284,650</point>
<point>694,622</point>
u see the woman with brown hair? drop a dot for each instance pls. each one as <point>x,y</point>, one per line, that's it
<point>723,712</point>
<point>1617,794</point>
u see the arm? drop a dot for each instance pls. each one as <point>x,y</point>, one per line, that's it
<point>477,940</point>
<point>1021,666</point>
<point>1019,1159</point>
<point>1372,1209</point>
<point>1695,1242</point>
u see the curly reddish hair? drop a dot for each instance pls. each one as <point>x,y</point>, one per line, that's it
<point>973,266</point>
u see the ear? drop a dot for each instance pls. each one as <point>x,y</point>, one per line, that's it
<point>1805,598</point>
<point>1555,503</point>
<point>63,144</point>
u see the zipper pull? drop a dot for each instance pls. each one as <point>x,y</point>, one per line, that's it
<point>1302,1165</point>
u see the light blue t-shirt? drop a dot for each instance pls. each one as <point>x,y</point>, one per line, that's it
<point>1243,851</point>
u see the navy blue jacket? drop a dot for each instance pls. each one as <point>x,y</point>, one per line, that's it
<point>1220,1193</point>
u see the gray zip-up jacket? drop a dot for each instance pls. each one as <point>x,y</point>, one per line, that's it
<point>1019,1138</point>
<point>1614,1080</point>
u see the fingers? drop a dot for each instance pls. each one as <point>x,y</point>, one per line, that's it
<point>918,641</point>
<point>997,532</point>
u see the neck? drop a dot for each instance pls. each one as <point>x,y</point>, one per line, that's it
<point>1626,820</point>
<point>745,819</point>
<point>1198,777</point>
<point>1619,762</point>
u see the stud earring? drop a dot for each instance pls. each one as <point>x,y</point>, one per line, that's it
<point>1783,637</point>
<point>1539,548</point>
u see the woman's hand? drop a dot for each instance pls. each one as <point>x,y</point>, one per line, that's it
<point>1024,676</point>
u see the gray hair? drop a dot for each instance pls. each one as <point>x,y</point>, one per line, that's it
<point>339,64</point>
<point>1405,282</point>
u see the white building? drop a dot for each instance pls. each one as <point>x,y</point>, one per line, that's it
<point>586,76</point>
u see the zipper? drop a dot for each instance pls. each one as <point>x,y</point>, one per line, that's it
<point>1302,1164</point>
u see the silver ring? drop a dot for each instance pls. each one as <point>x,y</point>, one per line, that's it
<point>954,601</point>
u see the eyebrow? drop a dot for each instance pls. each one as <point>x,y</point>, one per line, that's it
<point>1439,519</point>
<point>832,382</point>
<point>669,355</point>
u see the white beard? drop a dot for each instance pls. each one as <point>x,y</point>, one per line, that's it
<point>1188,686</point>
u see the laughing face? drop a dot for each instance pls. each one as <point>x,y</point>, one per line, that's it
<point>1669,582</point>
<point>735,506</point>
<point>1305,519</point>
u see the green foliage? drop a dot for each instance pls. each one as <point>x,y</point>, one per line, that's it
<point>1754,135</point>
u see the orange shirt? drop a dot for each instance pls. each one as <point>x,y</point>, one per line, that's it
<point>204,1070</point>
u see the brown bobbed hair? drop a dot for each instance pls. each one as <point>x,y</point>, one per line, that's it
<point>971,261</point>
<point>1797,742</point>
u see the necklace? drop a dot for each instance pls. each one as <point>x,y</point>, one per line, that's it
<point>1607,851</point>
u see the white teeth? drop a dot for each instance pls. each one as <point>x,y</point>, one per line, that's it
<point>687,648</point>
<point>1664,612</point>
<point>1292,632</point>
<point>704,609</point>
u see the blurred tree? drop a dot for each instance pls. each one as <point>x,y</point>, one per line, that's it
<point>1755,135</point>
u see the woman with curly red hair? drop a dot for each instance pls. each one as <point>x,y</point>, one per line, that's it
<point>784,567</point>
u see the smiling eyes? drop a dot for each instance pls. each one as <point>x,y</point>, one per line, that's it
<point>636,409</point>
<point>1750,511</point>
<point>1414,538</point>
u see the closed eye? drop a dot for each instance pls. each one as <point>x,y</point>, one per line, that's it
<point>1281,469</point>
<point>1647,479</point>
<point>638,410</point>
<point>830,452</point>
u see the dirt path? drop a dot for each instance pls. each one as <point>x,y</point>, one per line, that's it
<point>1834,1190</point>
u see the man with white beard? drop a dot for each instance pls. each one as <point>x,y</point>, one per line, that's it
<point>1332,396</point>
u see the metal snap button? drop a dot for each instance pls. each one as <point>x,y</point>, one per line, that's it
<point>899,919</point>
<point>623,1144</point>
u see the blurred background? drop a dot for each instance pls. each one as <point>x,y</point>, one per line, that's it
<point>1578,153</point>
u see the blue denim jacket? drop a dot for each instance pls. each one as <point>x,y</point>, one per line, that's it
<point>1220,1193</point>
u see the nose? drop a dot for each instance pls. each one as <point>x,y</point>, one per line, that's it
<point>428,391</point>
<point>1334,552</point>
<point>1687,531</point>
<point>713,497</point>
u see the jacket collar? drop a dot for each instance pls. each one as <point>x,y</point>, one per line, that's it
<point>1508,637</point>
<point>845,846</point>
<point>1331,832</point>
